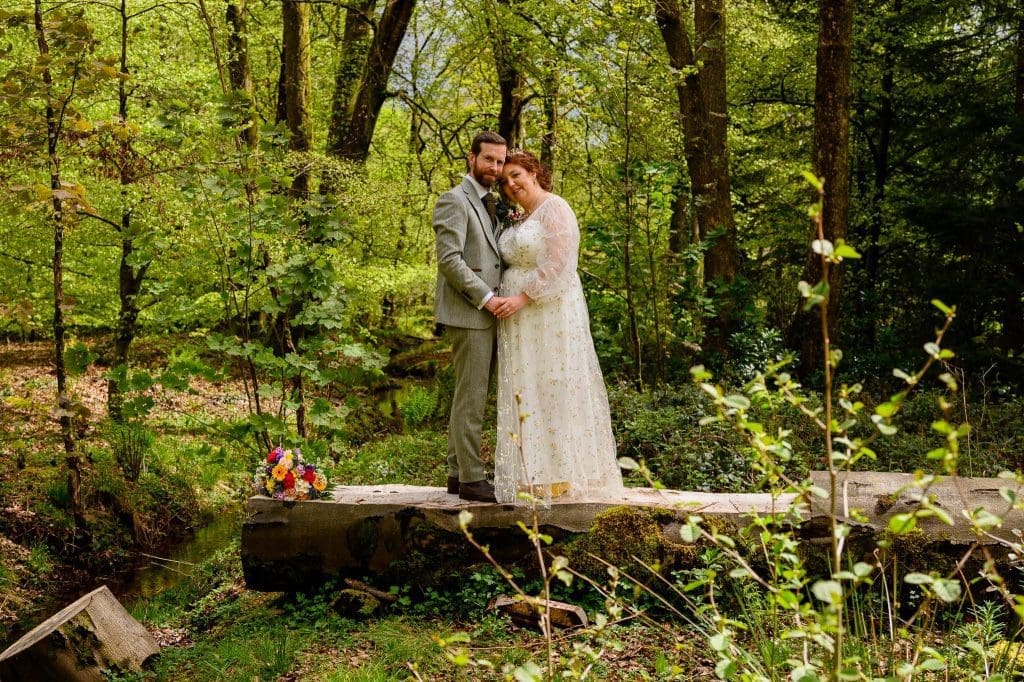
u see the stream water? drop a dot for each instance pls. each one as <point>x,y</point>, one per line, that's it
<point>148,576</point>
<point>155,573</point>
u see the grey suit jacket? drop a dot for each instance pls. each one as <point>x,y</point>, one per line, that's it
<point>468,265</point>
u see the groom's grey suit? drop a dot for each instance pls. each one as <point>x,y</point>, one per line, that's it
<point>469,268</point>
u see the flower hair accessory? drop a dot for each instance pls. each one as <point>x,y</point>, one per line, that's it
<point>284,475</point>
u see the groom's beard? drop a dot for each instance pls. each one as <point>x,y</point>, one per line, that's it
<point>485,177</point>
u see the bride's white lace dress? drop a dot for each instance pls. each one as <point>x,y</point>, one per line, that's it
<point>546,357</point>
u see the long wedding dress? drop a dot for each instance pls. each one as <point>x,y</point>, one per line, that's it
<point>563,444</point>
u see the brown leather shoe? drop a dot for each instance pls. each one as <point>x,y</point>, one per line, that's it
<point>453,485</point>
<point>478,491</point>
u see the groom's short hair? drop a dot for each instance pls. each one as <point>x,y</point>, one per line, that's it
<point>486,137</point>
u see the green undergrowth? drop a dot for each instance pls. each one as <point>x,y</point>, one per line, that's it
<point>667,428</point>
<point>413,458</point>
<point>217,631</point>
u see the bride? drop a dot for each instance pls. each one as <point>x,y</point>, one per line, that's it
<point>554,429</point>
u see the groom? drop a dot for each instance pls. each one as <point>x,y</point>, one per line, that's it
<point>469,271</point>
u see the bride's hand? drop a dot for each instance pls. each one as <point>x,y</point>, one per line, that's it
<point>511,305</point>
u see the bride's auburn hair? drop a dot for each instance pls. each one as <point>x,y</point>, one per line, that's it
<point>531,164</point>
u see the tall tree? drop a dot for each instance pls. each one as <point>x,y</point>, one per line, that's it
<point>1013,308</point>
<point>297,88</point>
<point>831,165</point>
<point>240,70</point>
<point>701,92</point>
<point>356,108</point>
<point>352,50</point>
<point>79,41</point>
<point>508,60</point>
<point>133,266</point>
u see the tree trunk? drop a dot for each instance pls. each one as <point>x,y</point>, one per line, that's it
<point>1013,306</point>
<point>704,117</point>
<point>295,19</point>
<point>385,530</point>
<point>388,530</point>
<point>354,47</point>
<point>680,229</point>
<point>296,64</point>
<point>130,277</point>
<point>867,307</point>
<point>511,81</point>
<point>353,139</point>
<point>281,110</point>
<point>550,136</point>
<point>831,164</point>
<point>714,205</point>
<point>1019,74</point>
<point>53,131</point>
<point>240,70</point>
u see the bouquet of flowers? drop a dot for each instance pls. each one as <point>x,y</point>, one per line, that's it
<point>285,476</point>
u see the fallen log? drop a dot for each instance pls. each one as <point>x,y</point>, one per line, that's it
<point>91,635</point>
<point>868,500</point>
<point>411,534</point>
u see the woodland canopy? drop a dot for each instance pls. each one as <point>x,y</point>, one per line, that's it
<point>263,172</point>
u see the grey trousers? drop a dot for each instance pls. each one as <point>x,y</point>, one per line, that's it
<point>474,355</point>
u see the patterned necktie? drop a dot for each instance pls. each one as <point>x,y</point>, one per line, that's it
<point>491,204</point>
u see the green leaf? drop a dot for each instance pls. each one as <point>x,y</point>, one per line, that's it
<point>813,180</point>
<point>902,523</point>
<point>77,358</point>
<point>900,374</point>
<point>822,247</point>
<point>886,409</point>
<point>690,533</point>
<point>725,669</point>
<point>719,641</point>
<point>628,463</point>
<point>828,591</point>
<point>918,578</point>
<point>985,519</point>
<point>844,250</point>
<point>862,569</point>
<point>946,590</point>
<point>804,673</point>
<point>787,599</point>
<point>736,401</point>
<point>946,310</point>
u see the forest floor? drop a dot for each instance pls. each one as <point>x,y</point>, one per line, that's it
<point>210,626</point>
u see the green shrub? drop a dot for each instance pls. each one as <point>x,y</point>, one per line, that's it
<point>663,428</point>
<point>130,443</point>
<point>419,406</point>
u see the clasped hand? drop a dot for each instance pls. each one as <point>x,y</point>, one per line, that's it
<point>504,307</point>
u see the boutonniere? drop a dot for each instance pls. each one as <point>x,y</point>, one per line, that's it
<point>507,215</point>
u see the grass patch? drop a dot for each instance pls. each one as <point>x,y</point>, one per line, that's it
<point>414,458</point>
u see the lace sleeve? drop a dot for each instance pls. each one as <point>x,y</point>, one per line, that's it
<point>557,267</point>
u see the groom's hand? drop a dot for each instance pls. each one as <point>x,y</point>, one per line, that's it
<point>493,303</point>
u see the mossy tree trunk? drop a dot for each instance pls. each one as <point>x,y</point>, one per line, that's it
<point>703,115</point>
<point>831,165</point>
<point>356,107</point>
